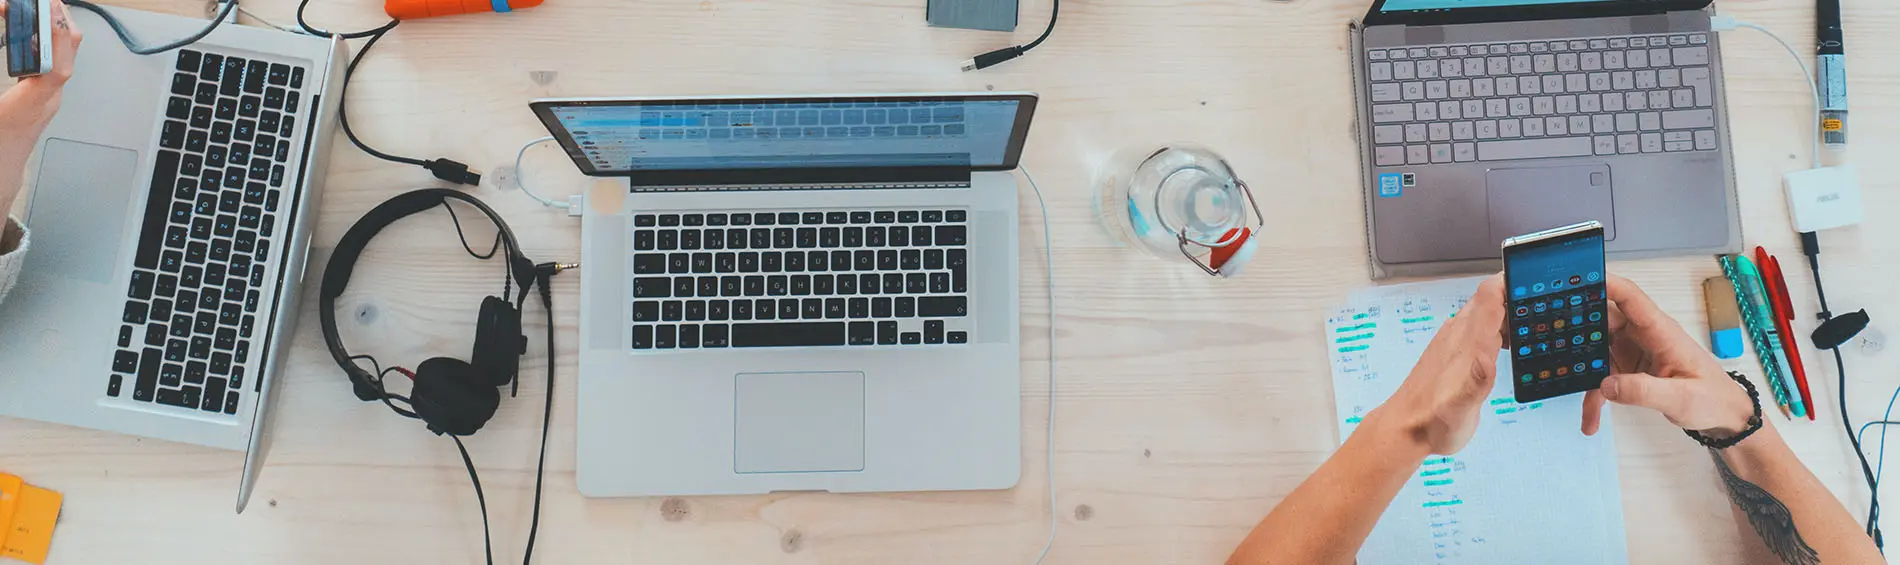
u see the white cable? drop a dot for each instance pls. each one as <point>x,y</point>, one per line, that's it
<point>261,20</point>
<point>521,176</point>
<point>1050,439</point>
<point>1724,23</point>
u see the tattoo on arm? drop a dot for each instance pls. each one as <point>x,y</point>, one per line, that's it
<point>1771,519</point>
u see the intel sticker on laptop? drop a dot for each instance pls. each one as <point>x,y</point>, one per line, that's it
<point>1391,185</point>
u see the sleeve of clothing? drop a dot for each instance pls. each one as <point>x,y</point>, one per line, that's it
<point>13,246</point>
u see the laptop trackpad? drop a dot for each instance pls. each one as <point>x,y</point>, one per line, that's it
<point>78,209</point>
<point>1533,199</point>
<point>798,422</point>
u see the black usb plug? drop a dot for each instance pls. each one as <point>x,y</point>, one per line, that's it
<point>992,58</point>
<point>453,171</point>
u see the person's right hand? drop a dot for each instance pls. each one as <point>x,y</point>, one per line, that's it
<point>1658,366</point>
<point>29,105</point>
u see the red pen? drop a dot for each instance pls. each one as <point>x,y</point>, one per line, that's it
<point>1784,315</point>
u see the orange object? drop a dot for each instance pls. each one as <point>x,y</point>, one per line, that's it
<point>31,534</point>
<point>415,9</point>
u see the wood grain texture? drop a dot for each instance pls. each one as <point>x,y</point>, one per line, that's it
<point>1188,405</point>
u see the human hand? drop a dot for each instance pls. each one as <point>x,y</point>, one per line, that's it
<point>1439,403</point>
<point>29,105</point>
<point>1658,366</point>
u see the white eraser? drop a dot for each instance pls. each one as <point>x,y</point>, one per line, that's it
<point>1824,198</point>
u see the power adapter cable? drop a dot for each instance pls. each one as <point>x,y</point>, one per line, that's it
<point>125,36</point>
<point>442,167</point>
<point>1049,441</point>
<point>999,56</point>
<point>521,177</point>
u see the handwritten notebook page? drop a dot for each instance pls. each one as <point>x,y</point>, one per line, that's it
<point>1530,488</point>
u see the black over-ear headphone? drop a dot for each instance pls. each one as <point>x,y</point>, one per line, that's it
<point>452,396</point>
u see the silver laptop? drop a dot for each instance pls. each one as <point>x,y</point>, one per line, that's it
<point>171,213</point>
<point>1484,120</point>
<point>798,293</point>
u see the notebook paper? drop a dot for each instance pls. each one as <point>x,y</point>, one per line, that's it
<point>1530,488</point>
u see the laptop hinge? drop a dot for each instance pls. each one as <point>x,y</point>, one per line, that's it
<point>840,178</point>
<point>808,186</point>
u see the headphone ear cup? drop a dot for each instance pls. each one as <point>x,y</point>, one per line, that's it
<point>450,397</point>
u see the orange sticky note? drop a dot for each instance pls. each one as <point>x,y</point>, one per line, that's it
<point>9,496</point>
<point>31,534</point>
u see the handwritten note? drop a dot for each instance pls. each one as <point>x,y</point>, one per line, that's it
<point>1529,488</point>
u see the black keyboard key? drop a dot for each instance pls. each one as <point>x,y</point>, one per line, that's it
<point>942,306</point>
<point>171,375</point>
<point>784,238</point>
<point>161,311</point>
<point>859,308</point>
<point>643,240</point>
<point>125,361</point>
<point>184,84</point>
<point>689,240</point>
<point>245,128</point>
<point>665,336</point>
<point>244,329</point>
<point>852,237</point>
<point>777,285</point>
<point>279,74</point>
<point>672,311</point>
<point>755,285</point>
<point>263,146</point>
<point>195,372</point>
<point>112,387</point>
<point>730,286</point>
<point>683,287</point>
<point>863,333</point>
<point>771,262</point>
<point>907,216</point>
<point>933,216</point>
<point>201,115</point>
<point>834,308</point>
<point>887,261</point>
<point>645,221</point>
<point>794,262</point>
<point>956,216</point>
<point>836,217</point>
<point>761,238</point>
<point>649,264</point>
<point>231,79</point>
<point>839,261</point>
<point>702,262</point>
<point>689,336</point>
<point>213,396</point>
<point>828,237</point>
<point>693,220</point>
<point>715,219</point>
<point>933,331</point>
<point>764,309</point>
<point>226,339</point>
<point>212,64</point>
<point>801,285</point>
<point>952,235</point>
<point>194,142</point>
<point>726,262</point>
<point>195,252</point>
<point>940,283</point>
<point>296,77</point>
<point>912,338</point>
<point>234,176</point>
<point>231,398</point>
<point>646,311</point>
<point>652,287</point>
<point>916,283</point>
<point>715,335</point>
<point>748,262</point>
<point>812,308</point>
<point>205,322</point>
<point>911,260</point>
<point>208,298</point>
<point>788,309</point>
<point>192,164</point>
<point>679,263</point>
<point>906,307</point>
<point>669,240</point>
<point>920,237</point>
<point>220,363</point>
<point>813,218</point>
<point>175,350</point>
<point>886,217</point>
<point>933,259</point>
<point>713,239</point>
<point>125,335</point>
<point>669,220</point>
<point>864,260</point>
<point>860,217</point>
<point>821,284</point>
<point>900,236</point>
<point>736,237</point>
<point>847,284</point>
<point>869,283</point>
<point>718,310</point>
<point>254,76</point>
<point>803,334</point>
<point>181,326</point>
<point>206,95</point>
<point>179,107</point>
<point>172,397</point>
<point>159,201</point>
<point>171,261</point>
<point>708,287</point>
<point>764,219</point>
<point>887,333</point>
<point>274,100</point>
<point>142,282</point>
<point>225,110</point>
<point>643,337</point>
<point>189,60</point>
<point>874,236</point>
<point>741,310</point>
<point>290,121</point>
<point>135,312</point>
<point>148,362</point>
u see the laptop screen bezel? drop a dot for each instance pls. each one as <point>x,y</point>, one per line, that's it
<point>1564,11</point>
<point>1019,134</point>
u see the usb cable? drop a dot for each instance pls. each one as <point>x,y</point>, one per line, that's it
<point>999,56</point>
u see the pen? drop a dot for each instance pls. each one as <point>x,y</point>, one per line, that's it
<point>1758,318</point>
<point>1784,321</point>
<point>1833,73</point>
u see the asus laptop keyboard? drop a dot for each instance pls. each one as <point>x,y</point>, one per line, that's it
<point>778,279</point>
<point>217,184</point>
<point>1540,99</point>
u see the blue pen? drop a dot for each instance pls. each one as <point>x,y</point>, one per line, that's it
<point>1756,315</point>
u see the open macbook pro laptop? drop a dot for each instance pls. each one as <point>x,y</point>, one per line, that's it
<point>798,293</point>
<point>1485,119</point>
<point>170,215</point>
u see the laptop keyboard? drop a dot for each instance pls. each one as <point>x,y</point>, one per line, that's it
<point>204,243</point>
<point>1529,100</point>
<point>792,279</point>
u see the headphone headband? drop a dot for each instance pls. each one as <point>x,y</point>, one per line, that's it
<point>336,273</point>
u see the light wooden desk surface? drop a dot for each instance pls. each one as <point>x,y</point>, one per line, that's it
<point>1188,406</point>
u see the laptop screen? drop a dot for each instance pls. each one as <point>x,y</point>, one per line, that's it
<point>629,137</point>
<point>1409,5</point>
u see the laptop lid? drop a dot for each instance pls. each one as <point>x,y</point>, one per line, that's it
<point>1448,12</point>
<point>742,140</point>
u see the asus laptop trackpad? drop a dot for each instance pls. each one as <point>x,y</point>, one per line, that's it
<point>1531,199</point>
<point>78,210</point>
<point>798,422</point>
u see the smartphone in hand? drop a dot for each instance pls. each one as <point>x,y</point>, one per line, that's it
<point>29,37</point>
<point>1557,315</point>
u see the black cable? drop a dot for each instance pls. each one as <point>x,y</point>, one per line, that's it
<point>547,414</point>
<point>125,36</point>
<point>445,169</point>
<point>301,4</point>
<point>488,545</point>
<point>998,56</point>
<point>1811,246</point>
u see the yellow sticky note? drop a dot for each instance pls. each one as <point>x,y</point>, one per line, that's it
<point>9,495</point>
<point>31,534</point>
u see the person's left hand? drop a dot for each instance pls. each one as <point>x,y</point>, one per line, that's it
<point>1439,403</point>
<point>29,105</point>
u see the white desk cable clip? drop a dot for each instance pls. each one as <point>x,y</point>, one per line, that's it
<point>1048,255</point>
<point>573,204</point>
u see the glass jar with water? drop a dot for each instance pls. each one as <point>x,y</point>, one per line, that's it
<point>1180,202</point>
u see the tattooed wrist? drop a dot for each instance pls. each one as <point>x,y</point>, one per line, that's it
<point>1771,519</point>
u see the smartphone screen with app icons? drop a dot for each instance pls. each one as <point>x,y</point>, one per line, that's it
<point>1558,317</point>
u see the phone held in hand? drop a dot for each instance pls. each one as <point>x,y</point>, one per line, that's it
<point>29,37</point>
<point>1557,315</point>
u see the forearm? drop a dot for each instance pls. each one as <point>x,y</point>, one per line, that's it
<point>1793,514</point>
<point>13,157</point>
<point>1327,517</point>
